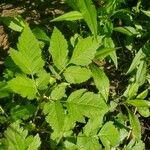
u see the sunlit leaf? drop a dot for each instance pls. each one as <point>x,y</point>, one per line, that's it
<point>77,74</point>
<point>58,49</point>
<point>70,16</point>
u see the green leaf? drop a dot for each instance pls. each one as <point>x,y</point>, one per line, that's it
<point>22,112</point>
<point>73,4</point>
<point>70,16</point>
<point>103,52</point>
<point>93,125</point>
<point>138,146</point>
<point>109,134</point>
<point>28,59</point>
<point>135,146</point>
<point>55,117</point>
<point>132,91</point>
<point>146,12</point>
<point>81,103</point>
<point>130,31</point>
<point>59,91</point>
<point>141,73</point>
<point>40,34</point>
<point>88,143</point>
<point>139,103</point>
<point>15,23</point>
<point>135,125</point>
<point>140,55</point>
<point>142,95</point>
<point>101,81</point>
<point>21,61</point>
<point>23,86</point>
<point>58,49</point>
<point>69,145</point>
<point>89,14</point>
<point>77,74</point>
<point>42,80</point>
<point>84,51</point>
<point>144,111</point>
<point>4,90</point>
<point>74,112</point>
<point>108,43</point>
<point>16,138</point>
<point>34,143</point>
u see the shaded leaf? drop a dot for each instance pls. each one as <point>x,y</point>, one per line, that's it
<point>141,73</point>
<point>140,55</point>
<point>22,112</point>
<point>4,90</point>
<point>146,12</point>
<point>89,13</point>
<point>108,43</point>
<point>130,31</point>
<point>40,34</point>
<point>15,23</point>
